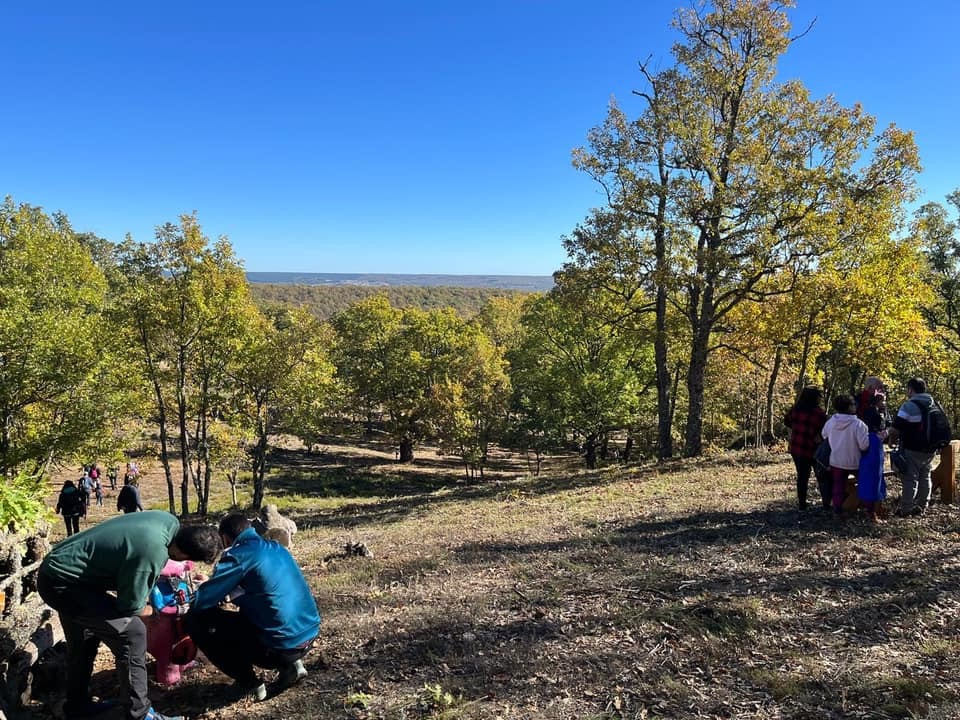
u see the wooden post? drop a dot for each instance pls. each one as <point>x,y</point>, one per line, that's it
<point>944,477</point>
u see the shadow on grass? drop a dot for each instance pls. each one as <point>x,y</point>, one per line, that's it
<point>399,490</point>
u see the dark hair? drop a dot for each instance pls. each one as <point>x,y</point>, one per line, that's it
<point>918,385</point>
<point>234,524</point>
<point>198,542</point>
<point>843,404</point>
<point>809,398</point>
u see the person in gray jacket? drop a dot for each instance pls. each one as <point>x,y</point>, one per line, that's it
<point>920,461</point>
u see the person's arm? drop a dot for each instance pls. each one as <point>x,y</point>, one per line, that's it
<point>908,414</point>
<point>863,436</point>
<point>226,576</point>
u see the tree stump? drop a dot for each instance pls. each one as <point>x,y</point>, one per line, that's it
<point>28,628</point>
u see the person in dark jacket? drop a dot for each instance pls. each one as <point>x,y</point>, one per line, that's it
<point>920,460</point>
<point>98,581</point>
<point>128,499</point>
<point>70,505</point>
<point>278,619</point>
<point>805,420</point>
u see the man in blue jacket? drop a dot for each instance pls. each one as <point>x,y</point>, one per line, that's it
<point>278,619</point>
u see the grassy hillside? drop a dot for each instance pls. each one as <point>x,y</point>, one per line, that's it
<point>324,301</point>
<point>689,590</point>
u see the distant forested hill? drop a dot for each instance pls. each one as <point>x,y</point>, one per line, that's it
<point>528,283</point>
<point>324,301</point>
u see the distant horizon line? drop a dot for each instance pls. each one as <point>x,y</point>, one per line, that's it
<point>416,274</point>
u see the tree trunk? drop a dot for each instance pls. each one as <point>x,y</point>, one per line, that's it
<point>406,450</point>
<point>164,449</point>
<point>664,404</point>
<point>185,466</point>
<point>673,397</point>
<point>161,416</point>
<point>260,456</point>
<point>207,477</point>
<point>186,469</point>
<point>203,454</point>
<point>233,488</point>
<point>702,325</point>
<point>662,273</point>
<point>604,446</point>
<point>805,355</point>
<point>771,390</point>
<point>695,387</point>
<point>5,469</point>
<point>628,449</point>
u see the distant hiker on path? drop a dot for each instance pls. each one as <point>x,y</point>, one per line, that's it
<point>78,579</point>
<point>848,438</point>
<point>805,420</point>
<point>70,505</point>
<point>278,619</point>
<point>128,499</point>
<point>923,429</point>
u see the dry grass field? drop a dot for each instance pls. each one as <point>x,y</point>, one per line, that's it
<point>691,589</point>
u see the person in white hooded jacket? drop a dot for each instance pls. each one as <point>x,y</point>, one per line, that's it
<point>849,439</point>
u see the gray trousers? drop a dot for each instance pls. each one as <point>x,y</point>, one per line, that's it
<point>89,617</point>
<point>916,479</point>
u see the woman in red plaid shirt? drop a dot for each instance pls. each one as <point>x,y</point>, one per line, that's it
<point>805,420</point>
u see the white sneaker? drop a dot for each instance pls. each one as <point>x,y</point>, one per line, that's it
<point>289,675</point>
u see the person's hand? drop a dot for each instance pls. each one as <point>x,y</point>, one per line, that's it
<point>147,610</point>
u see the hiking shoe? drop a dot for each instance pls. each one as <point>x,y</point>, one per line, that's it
<point>257,693</point>
<point>289,675</point>
<point>154,715</point>
<point>917,511</point>
<point>87,709</point>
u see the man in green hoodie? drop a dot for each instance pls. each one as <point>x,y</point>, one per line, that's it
<point>77,578</point>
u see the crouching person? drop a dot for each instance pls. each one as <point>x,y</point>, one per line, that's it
<point>77,577</point>
<point>277,621</point>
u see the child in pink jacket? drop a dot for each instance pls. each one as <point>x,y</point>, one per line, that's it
<point>849,439</point>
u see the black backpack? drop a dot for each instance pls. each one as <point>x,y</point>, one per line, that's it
<point>935,432</point>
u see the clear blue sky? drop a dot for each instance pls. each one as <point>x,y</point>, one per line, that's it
<point>422,136</point>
